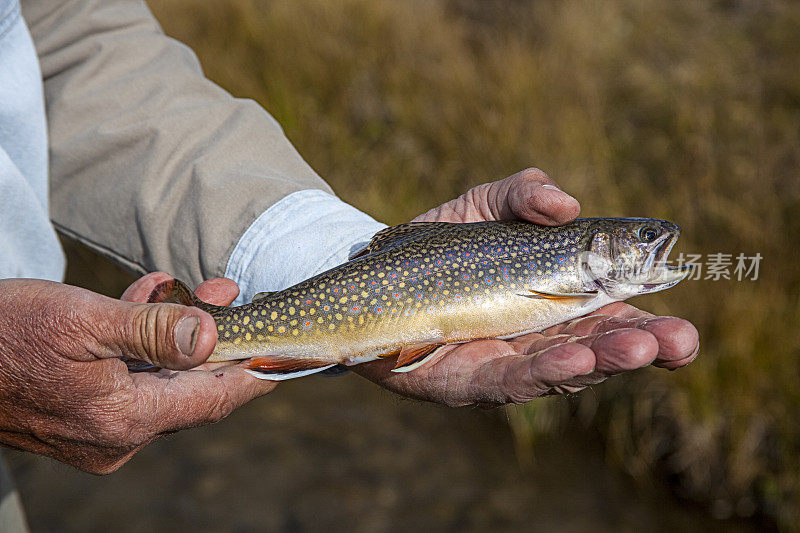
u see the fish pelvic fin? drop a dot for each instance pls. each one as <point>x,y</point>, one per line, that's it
<point>280,368</point>
<point>558,295</point>
<point>177,292</point>
<point>414,356</point>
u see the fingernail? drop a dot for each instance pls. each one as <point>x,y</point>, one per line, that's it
<point>550,187</point>
<point>186,334</point>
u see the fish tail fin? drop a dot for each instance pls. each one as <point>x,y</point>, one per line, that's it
<point>177,292</point>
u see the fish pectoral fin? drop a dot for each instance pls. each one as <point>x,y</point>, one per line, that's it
<point>558,295</point>
<point>414,356</point>
<point>261,296</point>
<point>279,368</point>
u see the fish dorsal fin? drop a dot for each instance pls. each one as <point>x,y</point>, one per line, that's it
<point>393,235</point>
<point>261,296</point>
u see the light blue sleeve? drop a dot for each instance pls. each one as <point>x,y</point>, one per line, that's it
<point>29,247</point>
<point>301,235</point>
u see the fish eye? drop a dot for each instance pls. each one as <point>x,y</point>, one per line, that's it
<point>648,234</point>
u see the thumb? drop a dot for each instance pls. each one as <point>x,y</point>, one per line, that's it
<point>531,195</point>
<point>166,335</point>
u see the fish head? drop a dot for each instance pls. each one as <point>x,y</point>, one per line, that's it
<point>625,257</point>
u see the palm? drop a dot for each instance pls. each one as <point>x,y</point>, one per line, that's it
<point>564,358</point>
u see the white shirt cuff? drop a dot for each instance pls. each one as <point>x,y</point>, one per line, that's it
<point>303,234</point>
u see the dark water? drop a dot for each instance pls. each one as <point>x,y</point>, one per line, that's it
<point>340,454</point>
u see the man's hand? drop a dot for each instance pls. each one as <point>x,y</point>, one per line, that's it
<point>64,392</point>
<point>565,358</point>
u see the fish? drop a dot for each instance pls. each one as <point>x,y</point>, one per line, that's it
<point>419,287</point>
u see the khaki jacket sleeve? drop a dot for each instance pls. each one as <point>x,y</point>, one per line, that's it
<point>150,162</point>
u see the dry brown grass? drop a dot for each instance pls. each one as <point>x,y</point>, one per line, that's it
<point>687,111</point>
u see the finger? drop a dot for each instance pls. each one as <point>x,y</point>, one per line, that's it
<point>140,289</point>
<point>615,352</point>
<point>194,398</point>
<point>218,291</point>
<point>521,378</point>
<point>166,335</point>
<point>622,350</point>
<point>531,195</point>
<point>621,310</point>
<point>678,340</point>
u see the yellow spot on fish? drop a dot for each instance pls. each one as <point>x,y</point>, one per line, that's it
<point>260,325</point>
<point>246,320</point>
<point>235,328</point>
<point>247,336</point>
<point>273,315</point>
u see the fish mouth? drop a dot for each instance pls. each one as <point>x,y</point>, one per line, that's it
<point>662,275</point>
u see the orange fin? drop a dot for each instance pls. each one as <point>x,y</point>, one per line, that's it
<point>415,355</point>
<point>559,295</point>
<point>279,368</point>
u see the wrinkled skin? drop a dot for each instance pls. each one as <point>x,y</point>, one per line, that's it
<point>65,393</point>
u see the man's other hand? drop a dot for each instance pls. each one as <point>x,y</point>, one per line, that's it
<point>565,358</point>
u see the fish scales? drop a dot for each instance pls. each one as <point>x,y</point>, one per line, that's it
<point>452,273</point>
<point>421,284</point>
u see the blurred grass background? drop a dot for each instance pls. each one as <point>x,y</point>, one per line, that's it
<point>687,110</point>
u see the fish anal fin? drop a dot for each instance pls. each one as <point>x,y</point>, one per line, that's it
<point>392,235</point>
<point>279,368</point>
<point>415,355</point>
<point>559,295</point>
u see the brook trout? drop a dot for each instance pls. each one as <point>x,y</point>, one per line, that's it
<point>421,286</point>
